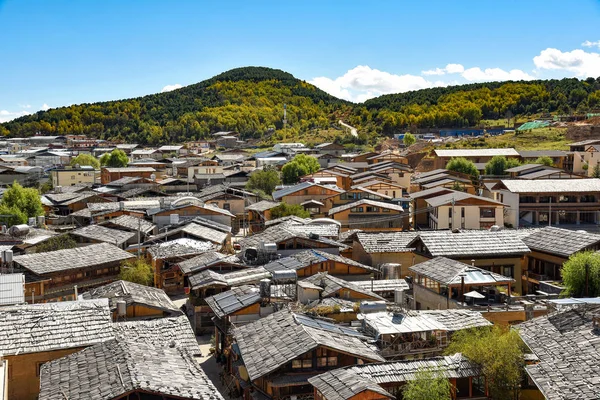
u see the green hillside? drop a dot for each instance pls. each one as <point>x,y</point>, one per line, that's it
<point>250,100</point>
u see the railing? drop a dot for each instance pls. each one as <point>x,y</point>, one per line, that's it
<point>411,347</point>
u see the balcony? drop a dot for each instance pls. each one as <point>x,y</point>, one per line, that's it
<point>406,348</point>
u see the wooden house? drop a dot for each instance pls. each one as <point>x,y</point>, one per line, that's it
<point>369,215</point>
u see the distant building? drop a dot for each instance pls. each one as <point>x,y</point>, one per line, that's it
<point>70,176</point>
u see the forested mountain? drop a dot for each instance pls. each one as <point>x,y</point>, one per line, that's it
<point>250,100</point>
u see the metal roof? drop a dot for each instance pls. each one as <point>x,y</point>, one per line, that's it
<point>12,289</point>
<point>233,300</point>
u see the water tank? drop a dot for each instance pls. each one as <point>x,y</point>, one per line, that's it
<point>173,219</point>
<point>121,308</point>
<point>399,296</point>
<point>284,276</point>
<point>391,270</point>
<point>58,189</point>
<point>372,306</point>
<point>153,177</point>
<point>494,228</point>
<point>31,221</point>
<point>270,247</point>
<point>41,221</point>
<point>7,256</point>
<point>19,230</point>
<point>265,288</point>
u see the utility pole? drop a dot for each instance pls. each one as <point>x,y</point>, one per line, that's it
<point>139,237</point>
<point>550,212</point>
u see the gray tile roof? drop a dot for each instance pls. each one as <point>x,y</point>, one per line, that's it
<point>301,186</point>
<point>550,185</point>
<point>365,202</point>
<point>116,368</point>
<point>78,257</point>
<point>179,248</point>
<point>561,242</point>
<point>159,332</point>
<point>386,242</point>
<point>450,272</point>
<point>476,152</point>
<point>568,349</point>
<point>457,196</point>
<point>229,279</point>
<point>54,326</point>
<point>429,192</point>
<point>131,223</point>
<point>290,218</point>
<point>312,256</point>
<point>344,383</point>
<point>474,244</point>
<point>291,335</point>
<point>413,321</point>
<point>262,205</point>
<point>133,293</point>
<point>103,234</point>
<point>333,286</point>
<point>276,234</point>
<point>234,299</point>
<point>201,262</point>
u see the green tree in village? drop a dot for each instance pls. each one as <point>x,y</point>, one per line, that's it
<point>137,271</point>
<point>427,385</point>
<point>265,180</point>
<point>19,203</point>
<point>115,159</point>
<point>499,164</point>
<point>86,160</point>
<point>596,171</point>
<point>575,270</point>
<point>59,242</point>
<point>544,160</point>
<point>299,166</point>
<point>284,210</point>
<point>499,352</point>
<point>409,139</point>
<point>462,165</point>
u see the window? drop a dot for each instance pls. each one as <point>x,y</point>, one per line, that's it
<point>226,206</point>
<point>356,209</point>
<point>385,209</point>
<point>326,358</point>
<point>487,212</point>
<point>303,362</point>
<point>462,212</point>
<point>372,209</point>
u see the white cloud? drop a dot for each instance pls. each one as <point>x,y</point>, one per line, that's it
<point>45,107</point>
<point>587,43</point>
<point>25,105</point>
<point>476,74</point>
<point>168,88</point>
<point>450,69</point>
<point>579,62</point>
<point>6,115</point>
<point>363,82</point>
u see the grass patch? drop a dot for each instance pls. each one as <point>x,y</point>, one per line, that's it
<point>537,139</point>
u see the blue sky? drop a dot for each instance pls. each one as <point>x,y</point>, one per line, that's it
<point>57,52</point>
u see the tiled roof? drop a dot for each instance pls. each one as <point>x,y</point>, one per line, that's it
<point>333,286</point>
<point>276,234</point>
<point>131,223</point>
<point>301,186</point>
<point>382,285</point>
<point>365,202</point>
<point>54,326</point>
<point>457,196</point>
<point>116,368</point>
<point>429,192</point>
<point>103,234</point>
<point>345,383</point>
<point>200,262</point>
<point>159,332</point>
<point>476,152</point>
<point>550,185</point>
<point>78,257</point>
<point>291,335</point>
<point>234,299</point>
<point>178,248</point>
<point>562,242</point>
<point>568,349</point>
<point>386,242</point>
<point>413,321</point>
<point>230,279</point>
<point>476,243</point>
<point>451,272</point>
<point>133,293</point>
<point>262,206</point>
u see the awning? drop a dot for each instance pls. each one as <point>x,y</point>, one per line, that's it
<point>475,295</point>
